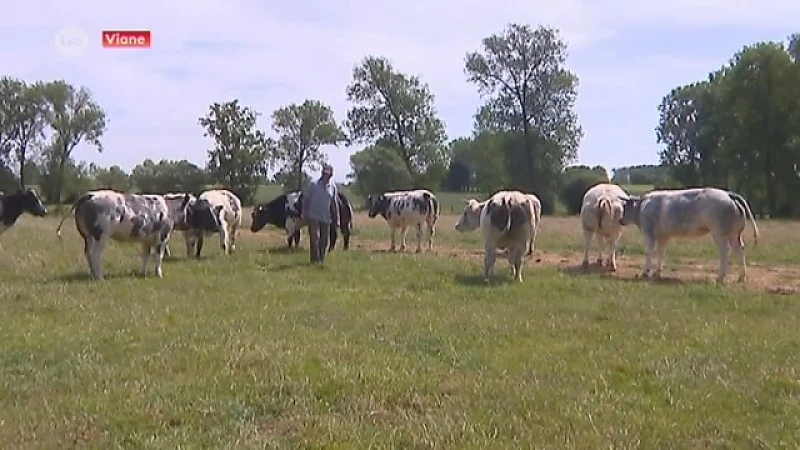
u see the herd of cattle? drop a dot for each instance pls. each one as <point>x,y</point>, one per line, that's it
<point>507,220</point>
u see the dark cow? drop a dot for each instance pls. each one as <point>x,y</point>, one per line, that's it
<point>404,209</point>
<point>13,205</point>
<point>105,214</point>
<point>285,210</point>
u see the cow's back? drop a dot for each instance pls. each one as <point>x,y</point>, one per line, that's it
<point>693,211</point>
<point>506,218</point>
<point>231,205</point>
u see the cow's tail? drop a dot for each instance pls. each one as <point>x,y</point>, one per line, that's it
<point>744,207</point>
<point>81,200</point>
<point>604,210</point>
<point>433,206</point>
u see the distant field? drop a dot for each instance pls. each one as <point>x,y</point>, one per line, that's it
<point>380,350</point>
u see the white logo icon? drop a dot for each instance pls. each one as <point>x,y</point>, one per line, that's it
<point>71,41</point>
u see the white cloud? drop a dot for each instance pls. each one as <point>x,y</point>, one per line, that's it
<point>287,53</point>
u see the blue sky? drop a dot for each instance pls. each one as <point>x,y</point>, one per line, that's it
<point>627,55</point>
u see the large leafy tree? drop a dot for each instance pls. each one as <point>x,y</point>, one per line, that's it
<point>168,176</point>
<point>113,177</point>
<point>303,130</point>
<point>397,109</point>
<point>242,154</point>
<point>522,73</point>
<point>379,168</point>
<point>74,118</point>
<point>23,112</point>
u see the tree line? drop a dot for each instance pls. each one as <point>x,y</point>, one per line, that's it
<point>740,128</point>
<point>742,120</point>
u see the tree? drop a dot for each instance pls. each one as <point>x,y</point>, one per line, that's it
<point>242,154</point>
<point>113,177</point>
<point>303,129</point>
<point>378,168</point>
<point>74,118</point>
<point>24,116</point>
<point>168,176</point>
<point>287,179</point>
<point>398,111</point>
<point>522,73</point>
<point>688,127</point>
<point>760,91</point>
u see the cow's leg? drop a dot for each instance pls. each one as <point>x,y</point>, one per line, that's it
<point>737,244</point>
<point>394,238</point>
<point>145,253</point>
<point>431,232</point>
<point>489,256</point>
<point>160,248</point>
<point>224,238</point>
<point>189,241</point>
<point>403,232</point>
<point>419,238</point>
<point>296,237</point>
<point>332,235</point>
<point>198,244</point>
<point>661,250</point>
<point>601,243</point>
<point>234,232</point>
<point>89,244</point>
<point>95,253</point>
<point>346,237</point>
<point>649,244</point>
<point>724,254</point>
<point>612,258</point>
<point>167,253</point>
<point>587,242</point>
<point>517,258</point>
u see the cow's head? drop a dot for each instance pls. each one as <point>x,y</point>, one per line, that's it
<point>631,207</point>
<point>202,216</point>
<point>179,214</point>
<point>471,217</point>
<point>31,203</point>
<point>378,204</point>
<point>259,217</point>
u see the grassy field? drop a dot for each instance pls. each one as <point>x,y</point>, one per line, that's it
<point>380,350</point>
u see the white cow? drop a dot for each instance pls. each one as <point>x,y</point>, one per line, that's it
<point>666,214</point>
<point>601,215</point>
<point>106,214</point>
<point>214,211</point>
<point>404,209</point>
<point>505,221</point>
<point>176,202</point>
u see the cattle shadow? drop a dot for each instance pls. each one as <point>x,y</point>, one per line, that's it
<point>477,280</point>
<point>282,250</point>
<point>606,273</point>
<point>84,277</point>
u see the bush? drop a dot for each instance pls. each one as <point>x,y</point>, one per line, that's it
<point>572,192</point>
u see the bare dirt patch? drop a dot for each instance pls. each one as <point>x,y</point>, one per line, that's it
<point>775,279</point>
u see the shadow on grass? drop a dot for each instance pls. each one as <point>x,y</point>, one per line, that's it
<point>82,277</point>
<point>477,280</point>
<point>605,272</point>
<point>282,250</point>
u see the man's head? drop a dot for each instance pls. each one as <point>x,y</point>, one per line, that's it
<point>327,172</point>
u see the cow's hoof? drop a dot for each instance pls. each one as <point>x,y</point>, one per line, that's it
<point>419,250</point>
<point>612,268</point>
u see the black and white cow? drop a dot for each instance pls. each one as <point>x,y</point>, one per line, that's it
<point>103,215</point>
<point>13,205</point>
<point>666,214</point>
<point>285,211</point>
<point>275,212</point>
<point>214,211</point>
<point>404,209</point>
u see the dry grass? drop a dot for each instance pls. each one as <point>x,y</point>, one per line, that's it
<point>381,350</point>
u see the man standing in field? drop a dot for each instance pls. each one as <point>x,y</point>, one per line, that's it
<point>320,210</point>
